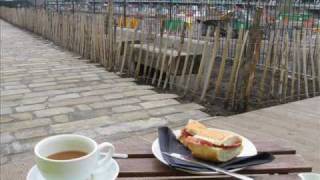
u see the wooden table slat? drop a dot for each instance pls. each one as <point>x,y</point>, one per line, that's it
<point>142,148</point>
<point>145,167</point>
<point>259,177</point>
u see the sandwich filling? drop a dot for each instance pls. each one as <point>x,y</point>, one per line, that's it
<point>205,138</point>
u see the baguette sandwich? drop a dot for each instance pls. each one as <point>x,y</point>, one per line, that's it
<point>210,144</point>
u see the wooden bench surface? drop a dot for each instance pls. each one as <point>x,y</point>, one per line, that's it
<point>141,162</point>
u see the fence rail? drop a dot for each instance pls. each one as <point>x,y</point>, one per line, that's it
<point>239,69</point>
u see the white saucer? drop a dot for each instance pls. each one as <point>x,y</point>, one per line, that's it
<point>104,173</point>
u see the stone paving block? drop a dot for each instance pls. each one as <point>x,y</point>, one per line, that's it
<point>127,127</point>
<point>125,80</point>
<point>34,100</point>
<point>43,80</point>
<point>42,84</point>
<point>44,93</point>
<point>155,97</point>
<point>155,104</point>
<point>76,101</point>
<point>114,103</point>
<point>87,132</point>
<point>21,156</point>
<point>130,116</point>
<point>185,116</point>
<point>113,96</point>
<point>5,119</point>
<point>61,118</point>
<point>3,160</point>
<point>126,108</point>
<point>6,138</point>
<point>14,91</point>
<point>79,115</point>
<point>33,107</point>
<point>5,110</point>
<point>83,107</point>
<point>20,86</point>
<point>55,87</point>
<point>174,109</point>
<point>24,146</point>
<point>5,149</point>
<point>11,97</point>
<point>79,89</point>
<point>138,92</point>
<point>53,111</point>
<point>64,96</point>
<point>31,133</point>
<point>16,126</point>
<point>22,116</point>
<point>80,125</point>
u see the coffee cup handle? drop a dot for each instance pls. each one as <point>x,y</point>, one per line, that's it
<point>107,156</point>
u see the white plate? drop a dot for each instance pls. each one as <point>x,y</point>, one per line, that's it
<point>249,149</point>
<point>104,173</point>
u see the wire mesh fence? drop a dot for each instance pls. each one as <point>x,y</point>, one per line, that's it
<point>237,53</point>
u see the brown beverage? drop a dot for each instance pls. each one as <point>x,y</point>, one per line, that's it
<point>64,155</point>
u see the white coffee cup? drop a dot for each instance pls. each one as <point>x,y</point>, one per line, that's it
<point>79,168</point>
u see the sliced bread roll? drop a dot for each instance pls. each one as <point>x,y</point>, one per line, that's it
<point>210,144</point>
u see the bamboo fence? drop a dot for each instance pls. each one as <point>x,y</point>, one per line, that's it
<point>216,69</point>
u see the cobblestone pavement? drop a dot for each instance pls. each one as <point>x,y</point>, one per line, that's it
<point>46,90</point>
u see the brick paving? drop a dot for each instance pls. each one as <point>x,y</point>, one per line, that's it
<point>46,90</point>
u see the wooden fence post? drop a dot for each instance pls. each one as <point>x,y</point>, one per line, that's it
<point>211,62</point>
<point>252,57</point>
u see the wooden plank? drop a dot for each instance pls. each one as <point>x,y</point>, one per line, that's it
<point>266,66</point>
<point>152,63</point>
<point>234,85</point>
<point>202,61</point>
<point>234,67</point>
<point>119,46</point>
<point>143,148</point>
<point>211,62</point>
<point>221,177</point>
<point>141,167</point>
<point>142,40</point>
<point>186,87</point>
<point>163,60</point>
<point>130,60</point>
<point>124,56</point>
<point>223,63</point>
<point>304,63</point>
<point>146,59</point>
<point>283,66</point>
<point>294,63</point>
<point>313,72</point>
<point>317,57</point>
<point>178,57</point>
<point>159,53</point>
<point>299,65</point>
<point>171,64</point>
<point>186,60</point>
<point>275,62</point>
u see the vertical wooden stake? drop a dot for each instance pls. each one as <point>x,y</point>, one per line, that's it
<point>211,62</point>
<point>266,66</point>
<point>202,61</point>
<point>304,58</point>
<point>223,63</point>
